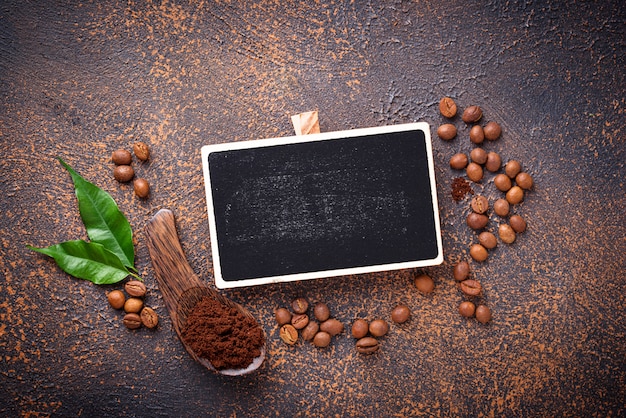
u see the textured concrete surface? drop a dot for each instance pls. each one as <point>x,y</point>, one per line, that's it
<point>81,79</point>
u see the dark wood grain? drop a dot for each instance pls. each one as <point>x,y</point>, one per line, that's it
<point>171,269</point>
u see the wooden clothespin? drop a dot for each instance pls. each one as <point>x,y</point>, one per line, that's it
<point>306,123</point>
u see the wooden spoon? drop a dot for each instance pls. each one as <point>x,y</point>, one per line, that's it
<point>180,286</point>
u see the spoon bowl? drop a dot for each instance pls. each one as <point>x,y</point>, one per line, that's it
<point>180,286</point>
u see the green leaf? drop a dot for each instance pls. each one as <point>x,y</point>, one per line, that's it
<point>87,260</point>
<point>105,223</point>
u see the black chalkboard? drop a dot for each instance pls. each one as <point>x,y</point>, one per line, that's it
<point>322,205</point>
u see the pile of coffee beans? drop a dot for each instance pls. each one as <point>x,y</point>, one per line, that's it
<point>124,171</point>
<point>472,289</point>
<point>296,323</point>
<point>367,334</point>
<point>482,211</point>
<point>511,180</point>
<point>131,300</point>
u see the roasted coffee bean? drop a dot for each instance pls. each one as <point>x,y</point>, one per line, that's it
<point>379,327</point>
<point>321,339</point>
<point>492,131</point>
<point>121,157</point>
<point>299,321</point>
<point>447,131</point>
<point>424,283</point>
<point>149,317</point>
<point>447,107</point>
<point>332,326</point>
<point>132,320</point>
<point>483,314</point>
<point>480,204</point>
<point>487,240</point>
<point>367,345</point>
<point>517,223</point>
<point>467,309</point>
<point>494,162</point>
<point>458,161</point>
<point>472,114</point>
<point>506,233</point>
<point>141,150</point>
<point>142,188</point>
<point>479,156</point>
<point>524,180</point>
<point>474,172</point>
<point>116,299</point>
<point>321,312</point>
<point>283,316</point>
<point>299,305</point>
<point>288,334</point>
<point>470,287</point>
<point>478,252</point>
<point>133,305</point>
<point>310,330</point>
<point>461,271</point>
<point>512,168</point>
<point>515,195</point>
<point>476,134</point>
<point>501,207</point>
<point>477,221</point>
<point>135,288</point>
<point>502,182</point>
<point>123,173</point>
<point>400,314</point>
<point>360,328</point>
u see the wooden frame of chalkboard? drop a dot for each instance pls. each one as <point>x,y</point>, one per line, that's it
<point>322,205</point>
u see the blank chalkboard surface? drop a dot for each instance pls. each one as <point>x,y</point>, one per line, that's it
<point>322,205</point>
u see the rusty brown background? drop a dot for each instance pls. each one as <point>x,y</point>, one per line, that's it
<point>79,79</point>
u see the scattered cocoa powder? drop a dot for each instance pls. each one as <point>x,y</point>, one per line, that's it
<point>460,187</point>
<point>223,335</point>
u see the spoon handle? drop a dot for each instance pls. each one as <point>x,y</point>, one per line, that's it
<point>173,273</point>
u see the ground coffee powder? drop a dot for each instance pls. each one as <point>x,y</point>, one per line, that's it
<point>460,187</point>
<point>223,335</point>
